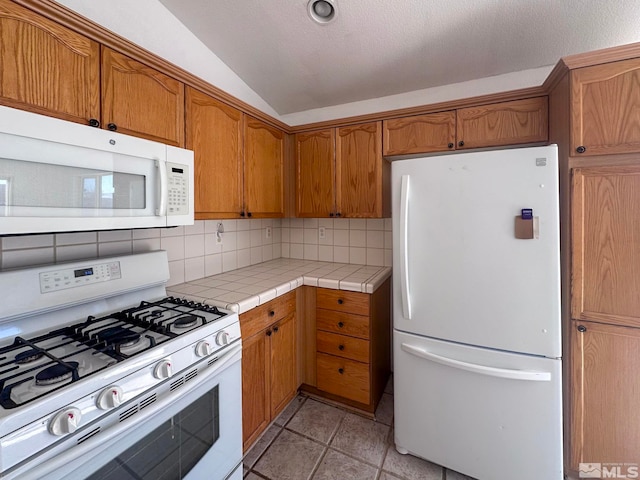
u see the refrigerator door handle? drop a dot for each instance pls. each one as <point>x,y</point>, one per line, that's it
<point>404,248</point>
<point>480,369</point>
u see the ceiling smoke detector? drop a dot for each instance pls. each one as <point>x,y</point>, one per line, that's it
<point>322,11</point>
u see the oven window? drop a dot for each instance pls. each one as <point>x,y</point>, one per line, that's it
<point>171,450</point>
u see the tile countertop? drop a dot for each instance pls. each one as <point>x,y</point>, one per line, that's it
<point>246,288</point>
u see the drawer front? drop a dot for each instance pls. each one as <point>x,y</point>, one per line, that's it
<point>343,346</point>
<point>261,317</point>
<point>343,377</point>
<point>343,301</point>
<point>342,323</point>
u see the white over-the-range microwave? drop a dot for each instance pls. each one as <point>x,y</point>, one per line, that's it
<point>59,176</point>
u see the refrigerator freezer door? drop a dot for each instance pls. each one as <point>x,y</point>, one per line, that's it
<point>462,273</point>
<point>491,415</point>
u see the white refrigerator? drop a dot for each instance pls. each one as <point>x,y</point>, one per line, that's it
<point>477,330</point>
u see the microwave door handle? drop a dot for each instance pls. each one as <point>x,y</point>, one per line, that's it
<point>161,211</point>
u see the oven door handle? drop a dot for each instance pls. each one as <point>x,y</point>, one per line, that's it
<point>232,354</point>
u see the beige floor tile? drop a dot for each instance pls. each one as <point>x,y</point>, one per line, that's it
<point>389,387</point>
<point>260,446</point>
<point>253,476</point>
<point>336,466</point>
<point>316,420</point>
<point>410,467</point>
<point>384,412</point>
<point>451,475</point>
<point>388,476</point>
<point>290,410</point>
<point>362,438</point>
<point>289,457</point>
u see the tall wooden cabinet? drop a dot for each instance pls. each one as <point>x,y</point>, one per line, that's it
<point>340,172</point>
<point>47,68</point>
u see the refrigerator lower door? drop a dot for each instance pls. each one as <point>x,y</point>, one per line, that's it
<point>489,414</point>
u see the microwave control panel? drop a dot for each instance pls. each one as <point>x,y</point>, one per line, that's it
<point>77,277</point>
<point>178,189</point>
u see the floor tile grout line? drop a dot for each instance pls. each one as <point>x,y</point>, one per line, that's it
<point>316,467</point>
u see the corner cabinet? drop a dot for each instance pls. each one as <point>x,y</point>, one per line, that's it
<point>46,68</point>
<point>606,394</point>
<point>498,124</point>
<point>138,100</point>
<point>214,132</point>
<point>263,169</point>
<point>340,172</point>
<point>269,377</point>
<point>605,100</point>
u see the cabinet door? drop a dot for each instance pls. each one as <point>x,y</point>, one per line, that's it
<point>605,244</point>
<point>605,426</point>
<point>506,123</point>
<point>605,100</point>
<point>434,132</point>
<point>359,176</point>
<point>141,101</point>
<point>263,169</point>
<point>315,173</point>
<point>214,133</point>
<point>283,363</point>
<point>46,68</point>
<point>255,387</point>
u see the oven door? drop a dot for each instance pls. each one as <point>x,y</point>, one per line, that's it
<point>197,435</point>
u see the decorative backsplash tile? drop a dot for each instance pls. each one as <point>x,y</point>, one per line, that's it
<point>195,252</point>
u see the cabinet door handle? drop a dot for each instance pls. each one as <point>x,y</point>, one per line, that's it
<point>242,214</point>
<point>112,126</point>
<point>269,333</point>
<point>341,371</point>
<point>275,329</point>
<point>461,143</point>
<point>582,328</point>
<point>340,347</point>
<point>331,214</point>
<point>94,122</point>
<point>338,214</point>
<point>272,313</point>
<point>450,145</point>
<point>248,214</point>
<point>340,301</point>
<point>581,149</point>
<point>340,324</point>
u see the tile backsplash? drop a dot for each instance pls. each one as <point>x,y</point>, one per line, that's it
<point>195,252</point>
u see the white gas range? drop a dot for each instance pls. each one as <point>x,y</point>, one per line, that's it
<point>102,376</point>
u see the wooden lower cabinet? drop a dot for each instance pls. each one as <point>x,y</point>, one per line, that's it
<point>352,346</point>
<point>269,377</point>
<point>605,418</point>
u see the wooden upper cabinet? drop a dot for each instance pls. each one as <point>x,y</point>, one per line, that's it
<point>605,394</point>
<point>315,173</point>
<point>605,108</point>
<point>214,133</point>
<point>434,132</point>
<point>506,123</point>
<point>361,173</point>
<point>606,244</point>
<point>141,101</point>
<point>46,68</point>
<point>263,169</point>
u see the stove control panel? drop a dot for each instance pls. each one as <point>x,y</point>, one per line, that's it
<point>178,180</point>
<point>76,277</point>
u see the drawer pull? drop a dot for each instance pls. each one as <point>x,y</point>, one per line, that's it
<point>268,333</point>
<point>340,324</point>
<point>272,313</point>
<point>275,329</point>
<point>341,371</point>
<point>340,347</point>
<point>340,301</point>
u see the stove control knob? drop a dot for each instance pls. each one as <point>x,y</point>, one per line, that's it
<point>164,369</point>
<point>222,338</point>
<point>65,421</point>
<point>203,349</point>
<point>110,397</point>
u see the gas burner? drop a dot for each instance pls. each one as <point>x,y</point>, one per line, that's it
<point>185,321</point>
<point>55,374</point>
<point>122,337</point>
<point>29,356</point>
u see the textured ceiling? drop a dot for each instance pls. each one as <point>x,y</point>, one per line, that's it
<point>376,48</point>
